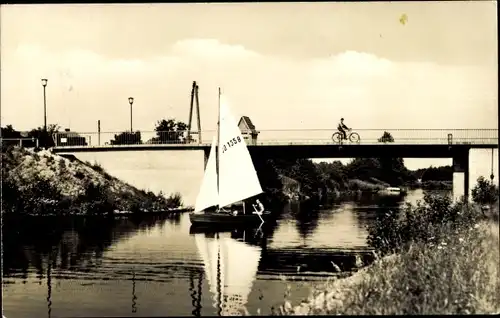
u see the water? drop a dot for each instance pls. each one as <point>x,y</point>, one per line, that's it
<point>155,266</point>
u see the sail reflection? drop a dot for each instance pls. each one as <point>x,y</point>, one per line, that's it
<point>230,268</point>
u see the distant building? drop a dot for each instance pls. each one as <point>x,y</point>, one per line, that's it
<point>248,130</point>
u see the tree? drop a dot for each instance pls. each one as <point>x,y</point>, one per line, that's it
<point>45,138</point>
<point>169,131</point>
<point>127,138</point>
<point>485,192</point>
<point>386,137</point>
<point>444,173</point>
<point>393,169</point>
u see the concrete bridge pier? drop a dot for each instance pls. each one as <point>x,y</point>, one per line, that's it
<point>461,165</point>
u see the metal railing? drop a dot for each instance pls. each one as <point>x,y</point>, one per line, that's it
<point>280,137</point>
<point>27,142</point>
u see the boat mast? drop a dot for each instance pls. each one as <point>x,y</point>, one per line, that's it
<point>218,146</point>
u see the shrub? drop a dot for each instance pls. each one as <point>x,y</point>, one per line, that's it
<point>455,277</point>
<point>174,200</point>
<point>424,223</point>
<point>62,164</point>
<point>485,192</point>
<point>96,199</point>
<point>80,175</point>
<point>40,197</point>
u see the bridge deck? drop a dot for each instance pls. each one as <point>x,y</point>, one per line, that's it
<point>313,140</point>
<point>309,151</point>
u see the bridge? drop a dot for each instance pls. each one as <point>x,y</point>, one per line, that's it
<point>303,143</point>
<point>285,138</point>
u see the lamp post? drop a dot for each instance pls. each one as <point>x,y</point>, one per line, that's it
<point>131,101</point>
<point>44,84</point>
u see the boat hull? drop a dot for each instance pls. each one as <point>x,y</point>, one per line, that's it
<point>215,218</point>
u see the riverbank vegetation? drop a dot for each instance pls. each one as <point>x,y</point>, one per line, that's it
<point>37,182</point>
<point>326,179</point>
<point>435,257</point>
<point>302,178</point>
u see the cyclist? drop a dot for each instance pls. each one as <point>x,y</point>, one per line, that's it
<point>343,128</point>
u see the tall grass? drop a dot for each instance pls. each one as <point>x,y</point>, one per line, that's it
<point>438,257</point>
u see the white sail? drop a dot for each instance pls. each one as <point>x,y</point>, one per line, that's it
<point>207,196</point>
<point>237,176</point>
<point>223,266</point>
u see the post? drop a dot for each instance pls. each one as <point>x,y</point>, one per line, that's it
<point>131,101</point>
<point>44,110</point>
<point>99,132</point>
<point>44,84</point>
<point>198,114</point>
<point>491,175</point>
<point>193,89</point>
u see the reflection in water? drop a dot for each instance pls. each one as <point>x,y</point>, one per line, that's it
<point>91,261</point>
<point>231,267</point>
<point>134,297</point>
<point>196,293</point>
<point>49,287</point>
<point>306,216</point>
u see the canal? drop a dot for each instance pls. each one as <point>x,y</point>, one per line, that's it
<point>162,267</point>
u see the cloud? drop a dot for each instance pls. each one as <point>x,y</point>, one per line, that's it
<point>208,49</point>
<point>369,91</point>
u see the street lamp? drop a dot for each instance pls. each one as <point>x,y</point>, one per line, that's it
<point>44,84</point>
<point>131,101</point>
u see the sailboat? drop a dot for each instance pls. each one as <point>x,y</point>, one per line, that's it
<point>229,178</point>
<point>229,279</point>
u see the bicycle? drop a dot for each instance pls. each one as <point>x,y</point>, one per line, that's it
<point>352,136</point>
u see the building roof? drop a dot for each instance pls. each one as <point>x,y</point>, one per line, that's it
<point>248,123</point>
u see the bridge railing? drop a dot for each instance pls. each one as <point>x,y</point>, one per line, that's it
<point>278,137</point>
<point>28,142</point>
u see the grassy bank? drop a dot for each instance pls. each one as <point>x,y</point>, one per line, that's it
<point>437,257</point>
<point>42,183</point>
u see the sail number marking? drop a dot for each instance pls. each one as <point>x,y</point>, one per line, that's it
<point>231,143</point>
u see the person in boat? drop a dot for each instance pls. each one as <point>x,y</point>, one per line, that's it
<point>343,129</point>
<point>258,206</point>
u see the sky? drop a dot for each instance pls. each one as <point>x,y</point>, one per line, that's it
<point>285,65</point>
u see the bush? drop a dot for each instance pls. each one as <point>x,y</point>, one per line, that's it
<point>174,200</point>
<point>455,277</point>
<point>485,192</point>
<point>40,198</point>
<point>97,167</point>
<point>96,199</point>
<point>426,222</point>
